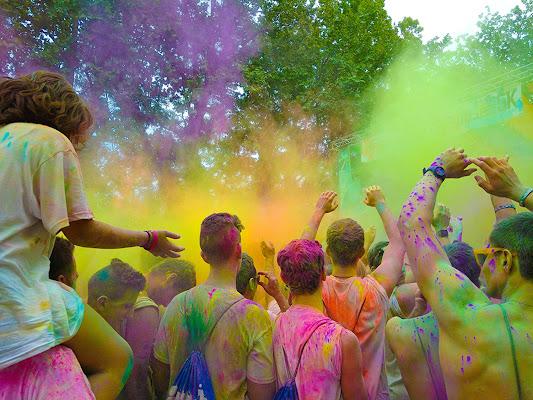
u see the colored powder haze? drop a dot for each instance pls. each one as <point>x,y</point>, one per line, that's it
<point>418,114</point>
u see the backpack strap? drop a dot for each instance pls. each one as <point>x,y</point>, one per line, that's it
<point>293,376</point>
<point>508,326</point>
<point>201,350</point>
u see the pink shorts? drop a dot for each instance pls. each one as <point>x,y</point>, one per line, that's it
<point>53,374</point>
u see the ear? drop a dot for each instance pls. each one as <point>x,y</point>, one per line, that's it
<point>324,274</point>
<point>102,302</point>
<point>508,263</point>
<point>362,254</point>
<point>253,285</point>
<point>62,279</point>
<point>327,252</point>
<point>171,278</point>
<point>204,257</point>
<point>282,278</point>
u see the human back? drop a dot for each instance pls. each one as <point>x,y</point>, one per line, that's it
<point>239,348</point>
<point>319,373</point>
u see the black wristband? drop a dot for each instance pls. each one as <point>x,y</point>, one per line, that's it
<point>442,233</point>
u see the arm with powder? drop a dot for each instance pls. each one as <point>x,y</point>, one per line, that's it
<point>445,290</point>
<point>326,203</point>
<point>389,271</point>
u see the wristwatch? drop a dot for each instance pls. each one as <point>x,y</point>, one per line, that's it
<point>439,172</point>
<point>442,233</point>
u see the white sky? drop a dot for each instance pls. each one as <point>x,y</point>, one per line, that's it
<point>439,17</point>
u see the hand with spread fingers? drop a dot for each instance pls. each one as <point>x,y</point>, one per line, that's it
<point>326,202</point>
<point>374,196</point>
<point>454,163</point>
<point>271,285</point>
<point>500,178</point>
<point>162,247</point>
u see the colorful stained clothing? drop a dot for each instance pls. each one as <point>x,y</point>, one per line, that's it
<point>365,301</point>
<point>42,191</point>
<point>239,349</point>
<point>54,374</point>
<point>319,374</point>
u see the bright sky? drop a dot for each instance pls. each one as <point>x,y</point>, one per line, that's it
<point>439,17</point>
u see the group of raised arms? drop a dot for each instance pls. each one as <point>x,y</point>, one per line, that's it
<point>420,316</point>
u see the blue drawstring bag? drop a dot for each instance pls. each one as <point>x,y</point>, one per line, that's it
<point>289,391</point>
<point>193,381</point>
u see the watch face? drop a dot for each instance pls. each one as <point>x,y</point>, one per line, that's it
<point>440,171</point>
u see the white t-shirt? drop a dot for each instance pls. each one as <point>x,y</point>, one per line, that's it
<point>41,191</point>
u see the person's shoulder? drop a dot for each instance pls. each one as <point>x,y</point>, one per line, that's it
<point>48,138</point>
<point>370,283</point>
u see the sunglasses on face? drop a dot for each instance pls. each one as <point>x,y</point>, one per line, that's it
<point>481,255</point>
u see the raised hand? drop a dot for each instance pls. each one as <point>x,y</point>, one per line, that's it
<point>326,202</point>
<point>374,196</point>
<point>500,178</point>
<point>268,250</point>
<point>441,217</point>
<point>163,247</point>
<point>454,163</point>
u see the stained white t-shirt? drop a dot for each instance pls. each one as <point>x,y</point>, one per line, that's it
<point>41,191</point>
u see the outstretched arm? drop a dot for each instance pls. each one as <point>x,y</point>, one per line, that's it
<point>95,234</point>
<point>390,270</point>
<point>501,180</point>
<point>326,203</point>
<point>446,290</point>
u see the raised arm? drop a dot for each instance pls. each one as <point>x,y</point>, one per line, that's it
<point>95,234</point>
<point>390,270</point>
<point>501,180</point>
<point>445,289</point>
<point>326,203</point>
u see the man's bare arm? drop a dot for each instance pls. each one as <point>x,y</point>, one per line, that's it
<point>95,234</point>
<point>389,271</point>
<point>140,335</point>
<point>446,290</point>
<point>326,203</point>
<point>161,378</point>
<point>352,383</point>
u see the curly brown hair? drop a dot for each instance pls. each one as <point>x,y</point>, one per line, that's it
<point>113,281</point>
<point>345,239</point>
<point>44,98</point>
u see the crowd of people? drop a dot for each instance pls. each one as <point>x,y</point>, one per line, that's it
<point>420,316</point>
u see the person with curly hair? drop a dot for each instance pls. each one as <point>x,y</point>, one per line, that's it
<point>42,119</point>
<point>323,357</point>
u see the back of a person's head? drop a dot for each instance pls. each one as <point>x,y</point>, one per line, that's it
<point>61,259</point>
<point>184,270</point>
<point>44,98</point>
<point>375,254</point>
<point>302,264</point>
<point>113,281</point>
<point>516,234</point>
<point>462,258</point>
<point>345,239</point>
<point>220,234</point>
<point>246,272</point>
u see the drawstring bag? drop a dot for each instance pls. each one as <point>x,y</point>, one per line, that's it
<point>289,391</point>
<point>193,381</point>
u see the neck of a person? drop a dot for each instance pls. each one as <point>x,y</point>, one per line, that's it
<point>222,276</point>
<point>311,300</point>
<point>344,272</point>
<point>518,290</point>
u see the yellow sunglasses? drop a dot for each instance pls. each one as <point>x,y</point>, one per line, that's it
<point>481,255</point>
